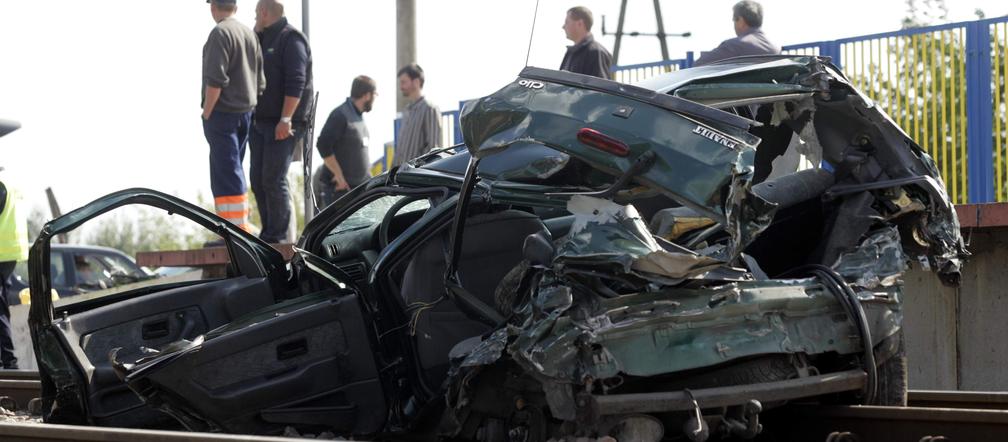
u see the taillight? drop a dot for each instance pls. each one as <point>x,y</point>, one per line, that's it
<point>603,142</point>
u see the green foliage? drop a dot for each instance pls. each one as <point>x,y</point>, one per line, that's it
<point>922,13</point>
<point>146,229</point>
<point>920,81</point>
<point>36,219</point>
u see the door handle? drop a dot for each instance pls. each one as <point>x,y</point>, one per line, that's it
<point>292,349</point>
<point>154,330</point>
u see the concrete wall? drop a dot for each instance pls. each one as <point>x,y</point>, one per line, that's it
<point>957,339</point>
<point>22,337</point>
<point>929,318</point>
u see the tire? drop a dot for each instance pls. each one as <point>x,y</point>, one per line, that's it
<point>891,389</point>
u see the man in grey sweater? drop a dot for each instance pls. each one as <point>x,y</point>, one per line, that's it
<point>747,15</point>
<point>233,78</point>
<point>420,130</point>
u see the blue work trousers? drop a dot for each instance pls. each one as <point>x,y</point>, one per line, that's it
<point>268,176</point>
<point>227,133</point>
<point>7,357</point>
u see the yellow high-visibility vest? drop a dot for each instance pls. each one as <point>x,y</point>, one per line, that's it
<point>13,228</point>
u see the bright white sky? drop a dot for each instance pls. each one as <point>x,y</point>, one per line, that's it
<point>108,91</point>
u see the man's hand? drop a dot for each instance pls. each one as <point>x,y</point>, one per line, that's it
<point>338,180</point>
<point>283,131</point>
<point>210,101</point>
<point>340,183</point>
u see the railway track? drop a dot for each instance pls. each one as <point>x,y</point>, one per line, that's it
<point>886,424</point>
<point>930,417</point>
<point>981,400</point>
<point>21,386</point>
<point>63,433</point>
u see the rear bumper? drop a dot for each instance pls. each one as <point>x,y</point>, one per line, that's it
<point>618,404</point>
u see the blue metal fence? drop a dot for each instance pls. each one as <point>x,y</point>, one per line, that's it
<point>637,72</point>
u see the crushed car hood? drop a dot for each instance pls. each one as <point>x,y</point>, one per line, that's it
<point>703,155</point>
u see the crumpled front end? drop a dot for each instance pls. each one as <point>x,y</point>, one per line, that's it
<point>773,271</point>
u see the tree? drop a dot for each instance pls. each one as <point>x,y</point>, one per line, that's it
<point>36,220</point>
<point>920,81</point>
<point>924,13</point>
<point>146,229</point>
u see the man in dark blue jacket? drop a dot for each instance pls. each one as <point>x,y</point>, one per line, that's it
<point>280,116</point>
<point>586,56</point>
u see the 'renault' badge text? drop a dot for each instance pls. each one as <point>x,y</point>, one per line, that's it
<point>715,137</point>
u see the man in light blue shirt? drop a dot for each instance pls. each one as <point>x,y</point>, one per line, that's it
<point>750,39</point>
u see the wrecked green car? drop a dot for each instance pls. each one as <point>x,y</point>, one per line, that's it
<point>597,259</point>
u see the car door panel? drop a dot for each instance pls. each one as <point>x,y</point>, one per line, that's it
<point>165,317</point>
<point>301,362</point>
<point>72,343</point>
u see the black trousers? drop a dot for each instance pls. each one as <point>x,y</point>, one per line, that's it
<point>6,342</point>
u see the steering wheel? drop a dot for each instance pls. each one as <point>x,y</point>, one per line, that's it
<point>386,222</point>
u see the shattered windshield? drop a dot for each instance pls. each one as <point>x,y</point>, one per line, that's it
<point>373,212</point>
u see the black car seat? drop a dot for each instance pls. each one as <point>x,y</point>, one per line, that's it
<point>492,246</point>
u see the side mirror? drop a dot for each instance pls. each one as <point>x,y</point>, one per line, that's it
<point>538,249</point>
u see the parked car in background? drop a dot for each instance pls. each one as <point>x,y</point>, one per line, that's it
<point>591,241</point>
<point>75,269</point>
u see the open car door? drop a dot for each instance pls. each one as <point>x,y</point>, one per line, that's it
<point>251,352</point>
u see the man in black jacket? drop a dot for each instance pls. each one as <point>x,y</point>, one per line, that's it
<point>343,144</point>
<point>586,56</point>
<point>280,116</point>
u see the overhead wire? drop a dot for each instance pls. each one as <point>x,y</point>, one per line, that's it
<point>535,15</point>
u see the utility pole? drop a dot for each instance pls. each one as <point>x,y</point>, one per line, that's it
<point>619,30</point>
<point>405,40</point>
<point>304,17</point>
<point>55,210</point>
<point>661,30</point>
<point>306,148</point>
<point>660,34</point>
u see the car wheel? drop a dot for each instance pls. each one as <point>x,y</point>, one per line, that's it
<point>891,389</point>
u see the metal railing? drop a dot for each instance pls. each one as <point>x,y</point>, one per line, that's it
<point>636,72</point>
<point>944,85</point>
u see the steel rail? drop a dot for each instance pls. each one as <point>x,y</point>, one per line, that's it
<point>58,433</point>
<point>885,424</point>
<point>20,385</point>
<point>981,400</point>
